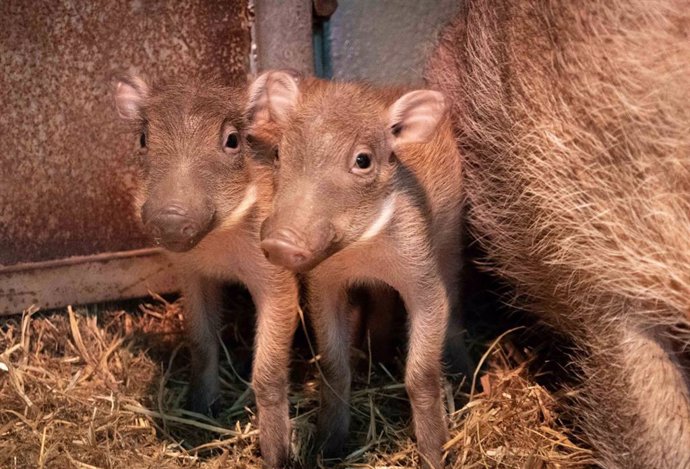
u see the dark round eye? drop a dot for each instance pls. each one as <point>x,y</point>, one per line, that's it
<point>363,161</point>
<point>233,141</point>
<point>276,154</point>
<point>142,140</point>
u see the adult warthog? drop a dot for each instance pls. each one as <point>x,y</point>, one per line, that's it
<point>573,119</point>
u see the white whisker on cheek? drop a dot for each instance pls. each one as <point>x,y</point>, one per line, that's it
<point>383,218</point>
<point>242,208</point>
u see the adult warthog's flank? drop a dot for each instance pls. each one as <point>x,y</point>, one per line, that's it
<point>574,123</point>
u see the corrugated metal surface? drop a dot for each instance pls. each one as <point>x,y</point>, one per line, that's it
<point>64,171</point>
<point>386,41</point>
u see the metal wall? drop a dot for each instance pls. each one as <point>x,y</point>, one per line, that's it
<point>64,171</point>
<point>385,41</point>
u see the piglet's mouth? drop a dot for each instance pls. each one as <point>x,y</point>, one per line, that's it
<point>176,245</point>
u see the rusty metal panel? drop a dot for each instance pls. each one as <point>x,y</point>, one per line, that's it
<point>65,177</point>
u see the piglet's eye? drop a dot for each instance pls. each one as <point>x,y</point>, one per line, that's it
<point>142,140</point>
<point>233,141</point>
<point>362,163</point>
<point>363,160</point>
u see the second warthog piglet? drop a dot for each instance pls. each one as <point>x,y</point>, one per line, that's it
<point>367,193</point>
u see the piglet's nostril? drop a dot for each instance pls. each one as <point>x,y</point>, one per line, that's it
<point>189,231</point>
<point>284,253</point>
<point>299,258</point>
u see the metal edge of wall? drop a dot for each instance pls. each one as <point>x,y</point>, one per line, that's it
<point>85,279</point>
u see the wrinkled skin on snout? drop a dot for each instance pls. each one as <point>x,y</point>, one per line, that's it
<point>192,155</point>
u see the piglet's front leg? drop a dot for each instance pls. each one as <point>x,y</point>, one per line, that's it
<point>277,316</point>
<point>428,309</point>
<point>202,303</point>
<point>330,308</point>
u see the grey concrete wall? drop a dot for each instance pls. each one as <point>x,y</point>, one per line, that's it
<point>386,41</point>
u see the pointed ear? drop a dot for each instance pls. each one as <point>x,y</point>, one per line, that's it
<point>413,118</point>
<point>130,93</point>
<point>272,96</point>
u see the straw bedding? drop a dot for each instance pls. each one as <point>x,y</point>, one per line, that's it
<point>104,387</point>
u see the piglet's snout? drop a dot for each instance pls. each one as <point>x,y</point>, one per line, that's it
<point>176,228</point>
<point>284,247</point>
<point>296,252</point>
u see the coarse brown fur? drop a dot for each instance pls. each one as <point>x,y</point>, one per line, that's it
<point>184,159</point>
<point>574,126</point>
<point>395,223</point>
